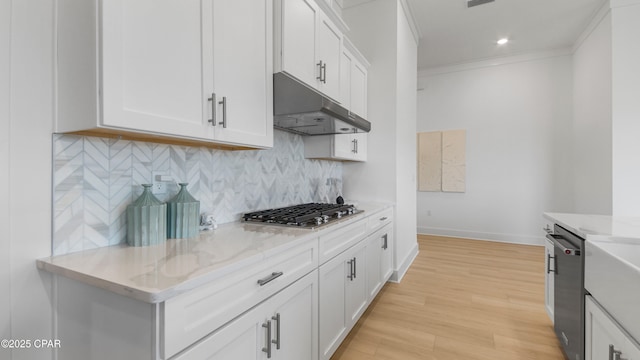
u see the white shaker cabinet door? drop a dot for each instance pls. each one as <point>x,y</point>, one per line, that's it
<point>299,38</point>
<point>153,70</point>
<point>356,294</point>
<point>243,71</point>
<point>295,321</point>
<point>358,89</point>
<point>242,338</point>
<point>329,57</point>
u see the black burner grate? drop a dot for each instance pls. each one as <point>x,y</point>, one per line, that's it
<point>301,215</point>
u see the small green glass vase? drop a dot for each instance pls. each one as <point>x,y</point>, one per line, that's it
<point>146,220</point>
<point>183,215</point>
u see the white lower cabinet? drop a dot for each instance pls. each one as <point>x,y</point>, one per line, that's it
<point>343,296</point>
<point>281,327</point>
<point>296,304</point>
<point>605,338</point>
<point>549,278</point>
<point>379,259</point>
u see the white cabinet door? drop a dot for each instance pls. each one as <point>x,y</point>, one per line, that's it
<point>374,262</point>
<point>358,89</point>
<point>329,50</point>
<point>298,53</point>
<point>153,70</point>
<point>343,146</point>
<point>386,259</point>
<point>333,322</point>
<point>242,338</point>
<point>379,260</point>
<point>356,286</point>
<point>283,327</point>
<point>243,71</point>
<point>295,321</point>
<point>343,297</point>
<point>360,153</point>
<point>346,61</point>
<point>549,277</point>
<point>604,338</point>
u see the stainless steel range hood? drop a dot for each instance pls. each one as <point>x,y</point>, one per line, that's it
<point>299,109</point>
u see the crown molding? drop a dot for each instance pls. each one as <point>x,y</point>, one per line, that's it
<point>497,61</point>
<point>623,3</point>
<point>597,18</point>
<point>413,24</point>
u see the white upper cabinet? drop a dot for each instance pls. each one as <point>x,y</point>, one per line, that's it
<point>298,28</point>
<point>152,66</point>
<point>353,79</point>
<point>308,45</point>
<point>158,65</point>
<point>329,45</point>
<point>242,76</point>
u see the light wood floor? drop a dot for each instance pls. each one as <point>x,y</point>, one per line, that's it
<point>461,299</point>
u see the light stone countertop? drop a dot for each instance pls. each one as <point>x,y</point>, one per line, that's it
<point>156,273</point>
<point>602,225</point>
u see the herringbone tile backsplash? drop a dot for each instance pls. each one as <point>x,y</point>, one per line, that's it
<point>94,179</point>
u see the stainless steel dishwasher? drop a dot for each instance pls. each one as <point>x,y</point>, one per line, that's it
<point>568,266</point>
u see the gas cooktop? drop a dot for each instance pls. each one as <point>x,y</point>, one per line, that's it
<point>309,215</point>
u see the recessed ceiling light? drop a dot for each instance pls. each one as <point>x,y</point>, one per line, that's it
<point>503,41</point>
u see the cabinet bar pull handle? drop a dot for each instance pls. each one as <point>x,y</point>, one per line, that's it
<point>350,276</point>
<point>549,270</point>
<point>324,73</point>
<point>319,77</point>
<point>277,339</point>
<point>267,348</point>
<point>356,146</point>
<point>270,278</point>
<point>354,149</point>
<point>355,271</point>
<point>384,244</point>
<point>383,218</point>
<point>213,109</point>
<point>224,112</point>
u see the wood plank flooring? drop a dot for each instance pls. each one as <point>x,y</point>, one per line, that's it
<point>461,299</point>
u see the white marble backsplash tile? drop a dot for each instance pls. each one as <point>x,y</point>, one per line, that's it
<point>94,179</point>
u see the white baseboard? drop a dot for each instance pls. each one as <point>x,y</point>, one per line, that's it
<point>506,238</point>
<point>398,274</point>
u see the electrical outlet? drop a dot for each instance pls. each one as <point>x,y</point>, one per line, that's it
<point>159,186</point>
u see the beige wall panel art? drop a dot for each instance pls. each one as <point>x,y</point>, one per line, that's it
<point>430,161</point>
<point>454,160</point>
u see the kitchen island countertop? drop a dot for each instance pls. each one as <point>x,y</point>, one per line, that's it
<point>601,225</point>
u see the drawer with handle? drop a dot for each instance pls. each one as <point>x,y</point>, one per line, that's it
<point>341,239</point>
<point>380,218</point>
<point>191,316</point>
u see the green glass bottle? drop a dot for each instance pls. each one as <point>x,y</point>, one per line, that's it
<point>146,220</point>
<point>183,215</point>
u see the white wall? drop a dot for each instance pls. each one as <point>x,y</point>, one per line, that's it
<point>5,244</point>
<point>407,58</point>
<point>518,122</point>
<point>26,234</point>
<point>592,119</point>
<point>379,29</point>
<point>626,107</point>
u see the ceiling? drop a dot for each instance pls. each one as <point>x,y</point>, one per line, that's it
<point>451,33</point>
